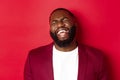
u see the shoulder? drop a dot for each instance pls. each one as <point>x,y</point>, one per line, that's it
<point>41,49</point>
<point>90,50</point>
<point>96,60</point>
<point>92,53</point>
<point>95,57</point>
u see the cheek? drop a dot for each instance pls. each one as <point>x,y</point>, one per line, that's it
<point>68,25</point>
<point>52,29</point>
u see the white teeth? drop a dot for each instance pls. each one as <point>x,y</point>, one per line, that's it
<point>61,31</point>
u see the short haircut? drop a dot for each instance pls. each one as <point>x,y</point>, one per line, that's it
<point>71,14</point>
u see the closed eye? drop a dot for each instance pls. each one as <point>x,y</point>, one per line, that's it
<point>66,20</point>
<point>54,22</point>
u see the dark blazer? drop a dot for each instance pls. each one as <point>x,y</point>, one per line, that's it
<point>39,64</point>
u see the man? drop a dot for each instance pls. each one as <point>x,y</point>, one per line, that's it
<point>64,59</point>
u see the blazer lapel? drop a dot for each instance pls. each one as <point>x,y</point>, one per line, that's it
<point>49,65</point>
<point>82,63</point>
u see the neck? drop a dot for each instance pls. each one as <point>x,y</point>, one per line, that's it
<point>70,47</point>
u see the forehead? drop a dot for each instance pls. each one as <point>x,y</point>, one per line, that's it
<point>60,13</point>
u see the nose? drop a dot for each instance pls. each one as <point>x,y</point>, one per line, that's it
<point>60,24</point>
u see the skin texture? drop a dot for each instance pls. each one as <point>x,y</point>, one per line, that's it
<point>59,20</point>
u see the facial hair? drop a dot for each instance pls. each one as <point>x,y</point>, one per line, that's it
<point>64,43</point>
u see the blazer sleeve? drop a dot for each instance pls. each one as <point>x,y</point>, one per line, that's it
<point>103,73</point>
<point>27,69</point>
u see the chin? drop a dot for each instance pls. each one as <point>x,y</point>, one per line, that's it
<point>64,42</point>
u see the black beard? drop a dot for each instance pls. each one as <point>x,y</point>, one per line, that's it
<point>64,43</point>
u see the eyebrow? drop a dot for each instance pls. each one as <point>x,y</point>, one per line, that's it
<point>60,19</point>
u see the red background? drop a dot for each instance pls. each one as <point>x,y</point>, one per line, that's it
<point>24,25</point>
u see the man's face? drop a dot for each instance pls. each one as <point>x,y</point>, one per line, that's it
<point>62,28</point>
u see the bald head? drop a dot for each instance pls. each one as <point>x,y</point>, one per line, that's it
<point>62,9</point>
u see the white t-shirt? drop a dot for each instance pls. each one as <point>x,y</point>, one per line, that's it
<point>65,64</point>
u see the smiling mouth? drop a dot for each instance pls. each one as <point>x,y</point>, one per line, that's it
<point>62,33</point>
<point>62,30</point>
